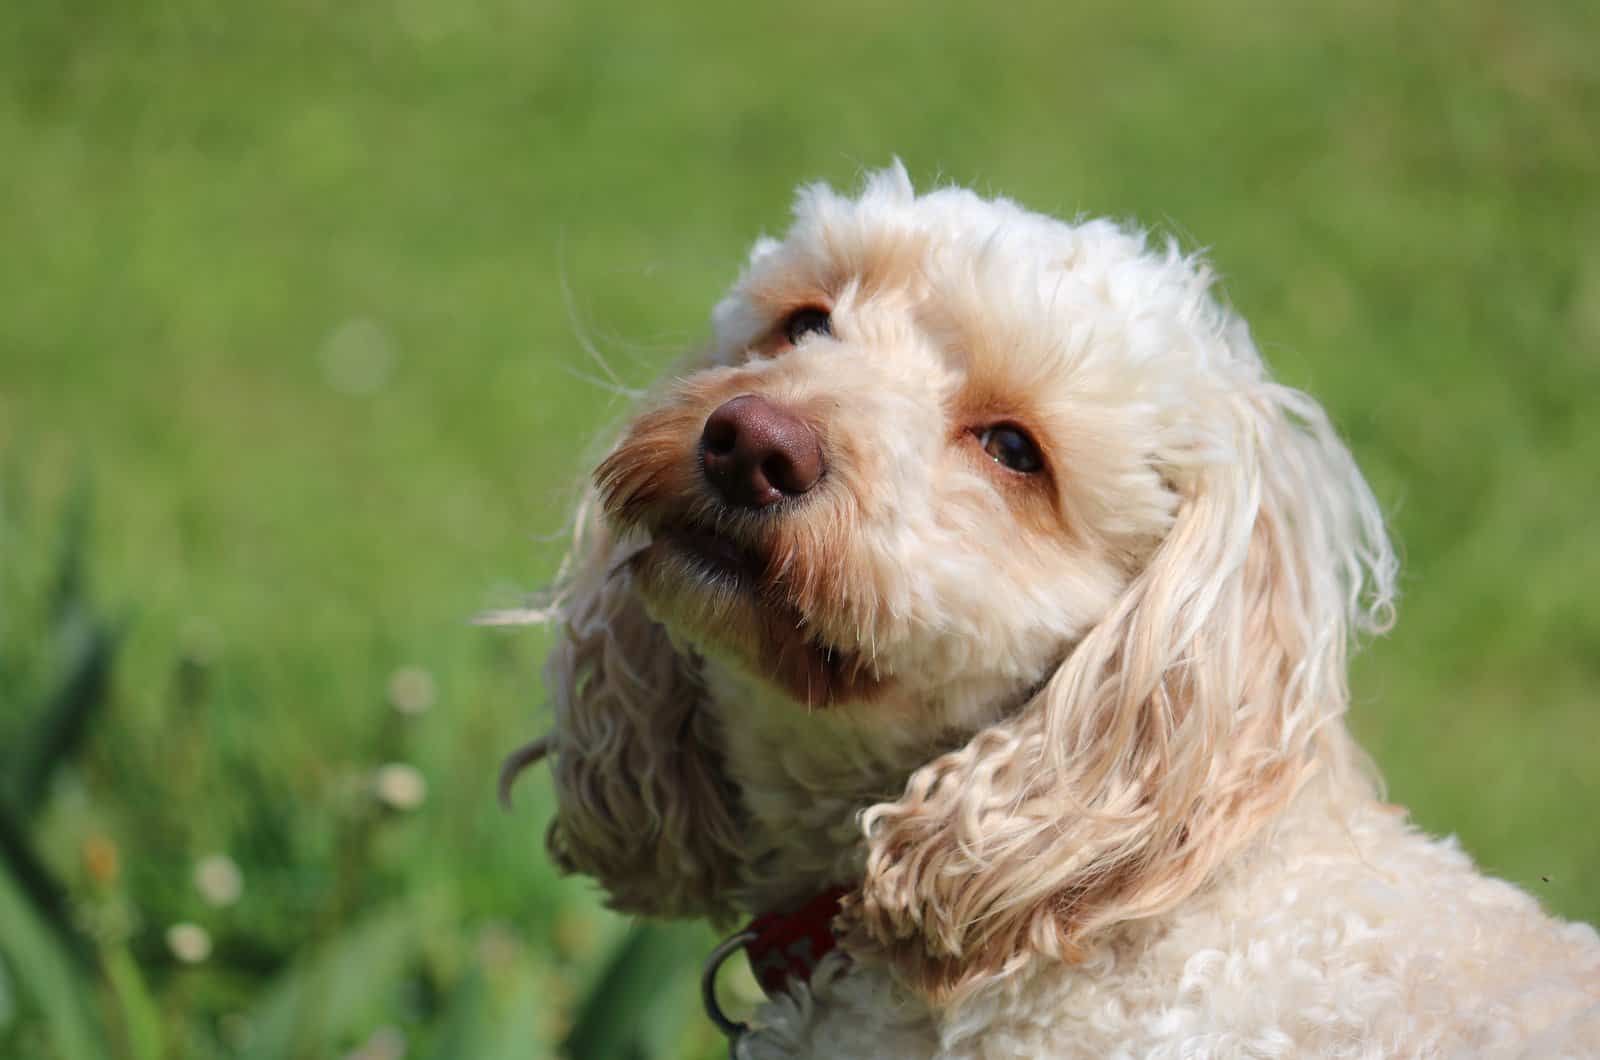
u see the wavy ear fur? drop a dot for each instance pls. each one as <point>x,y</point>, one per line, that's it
<point>1178,727</point>
<point>643,805</point>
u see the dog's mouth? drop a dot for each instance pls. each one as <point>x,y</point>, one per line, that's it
<point>757,614</point>
<point>719,558</point>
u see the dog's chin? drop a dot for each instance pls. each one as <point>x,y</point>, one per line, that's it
<point>719,595</point>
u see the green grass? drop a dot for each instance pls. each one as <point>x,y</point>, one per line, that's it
<point>282,285</point>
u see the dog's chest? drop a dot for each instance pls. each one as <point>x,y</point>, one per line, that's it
<point>1344,935</point>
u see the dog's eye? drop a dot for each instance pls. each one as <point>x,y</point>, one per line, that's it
<point>803,322</point>
<point>1011,447</point>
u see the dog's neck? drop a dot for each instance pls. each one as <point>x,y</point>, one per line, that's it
<point>804,778</point>
<point>805,775</point>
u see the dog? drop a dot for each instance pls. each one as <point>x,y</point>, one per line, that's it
<point>975,612</point>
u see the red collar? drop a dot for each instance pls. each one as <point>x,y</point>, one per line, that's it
<point>789,946</point>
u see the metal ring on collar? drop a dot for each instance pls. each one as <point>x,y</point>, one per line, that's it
<point>708,984</point>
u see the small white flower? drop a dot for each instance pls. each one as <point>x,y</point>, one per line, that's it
<point>411,690</point>
<point>218,879</point>
<point>190,943</point>
<point>401,786</point>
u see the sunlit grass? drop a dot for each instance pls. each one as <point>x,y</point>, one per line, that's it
<point>283,287</point>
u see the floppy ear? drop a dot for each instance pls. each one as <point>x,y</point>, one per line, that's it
<point>1179,726</point>
<point>642,803</point>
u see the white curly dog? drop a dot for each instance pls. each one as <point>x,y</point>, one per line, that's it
<point>978,603</point>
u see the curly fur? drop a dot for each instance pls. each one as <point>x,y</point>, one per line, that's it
<point>645,805</point>
<point>1075,739</point>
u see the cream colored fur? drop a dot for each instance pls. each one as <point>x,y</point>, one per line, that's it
<point>1075,738</point>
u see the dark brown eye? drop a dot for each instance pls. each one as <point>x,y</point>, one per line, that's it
<point>1011,447</point>
<point>803,322</point>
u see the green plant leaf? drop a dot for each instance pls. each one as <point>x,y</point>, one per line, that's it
<point>338,992</point>
<point>141,1021</point>
<point>621,1018</point>
<point>46,973</point>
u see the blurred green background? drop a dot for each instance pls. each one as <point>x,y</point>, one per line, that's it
<point>293,299</point>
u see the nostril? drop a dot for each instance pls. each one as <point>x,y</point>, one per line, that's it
<point>721,434</point>
<point>778,469</point>
<point>791,473</point>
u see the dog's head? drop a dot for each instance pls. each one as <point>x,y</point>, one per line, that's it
<point>952,466</point>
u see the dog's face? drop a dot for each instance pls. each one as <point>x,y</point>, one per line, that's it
<point>917,464</point>
<point>983,479</point>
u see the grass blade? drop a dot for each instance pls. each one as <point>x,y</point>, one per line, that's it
<point>47,974</point>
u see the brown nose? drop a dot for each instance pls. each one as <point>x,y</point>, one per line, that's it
<point>756,453</point>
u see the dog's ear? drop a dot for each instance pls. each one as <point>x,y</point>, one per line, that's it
<point>1178,726</point>
<point>642,802</point>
